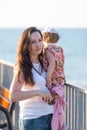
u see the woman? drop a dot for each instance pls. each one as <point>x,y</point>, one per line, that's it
<point>29,83</point>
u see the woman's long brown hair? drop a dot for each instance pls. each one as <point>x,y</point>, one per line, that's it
<point>24,63</point>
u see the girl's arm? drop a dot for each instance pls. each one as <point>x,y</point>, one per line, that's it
<point>51,65</point>
<point>16,94</point>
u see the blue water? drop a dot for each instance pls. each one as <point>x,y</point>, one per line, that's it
<point>73,41</point>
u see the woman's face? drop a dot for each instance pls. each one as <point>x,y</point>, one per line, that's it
<point>36,43</point>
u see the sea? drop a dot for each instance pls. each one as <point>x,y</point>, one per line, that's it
<point>72,40</point>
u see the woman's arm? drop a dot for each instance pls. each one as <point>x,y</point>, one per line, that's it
<point>16,94</point>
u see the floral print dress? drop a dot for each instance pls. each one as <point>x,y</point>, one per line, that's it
<point>58,74</point>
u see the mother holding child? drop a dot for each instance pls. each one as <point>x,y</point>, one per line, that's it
<point>33,85</point>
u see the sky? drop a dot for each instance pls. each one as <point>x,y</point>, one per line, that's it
<point>41,13</point>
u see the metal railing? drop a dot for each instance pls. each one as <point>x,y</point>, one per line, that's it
<point>76,98</point>
<point>76,110</point>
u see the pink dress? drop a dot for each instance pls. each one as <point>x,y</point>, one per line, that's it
<point>58,80</point>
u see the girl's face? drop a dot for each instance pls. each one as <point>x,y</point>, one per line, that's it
<point>36,44</point>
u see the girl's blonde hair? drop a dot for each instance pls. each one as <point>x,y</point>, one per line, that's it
<point>50,37</point>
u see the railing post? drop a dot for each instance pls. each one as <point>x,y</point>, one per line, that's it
<point>85,112</point>
<point>1,73</point>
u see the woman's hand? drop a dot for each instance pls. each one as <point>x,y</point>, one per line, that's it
<point>46,96</point>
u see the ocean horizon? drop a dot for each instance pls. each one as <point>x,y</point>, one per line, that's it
<point>73,41</point>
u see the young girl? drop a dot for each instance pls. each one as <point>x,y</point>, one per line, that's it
<point>53,62</point>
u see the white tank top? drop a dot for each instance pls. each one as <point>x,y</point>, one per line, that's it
<point>35,107</point>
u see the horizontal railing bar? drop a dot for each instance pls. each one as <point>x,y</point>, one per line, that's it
<point>6,63</point>
<point>77,88</point>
